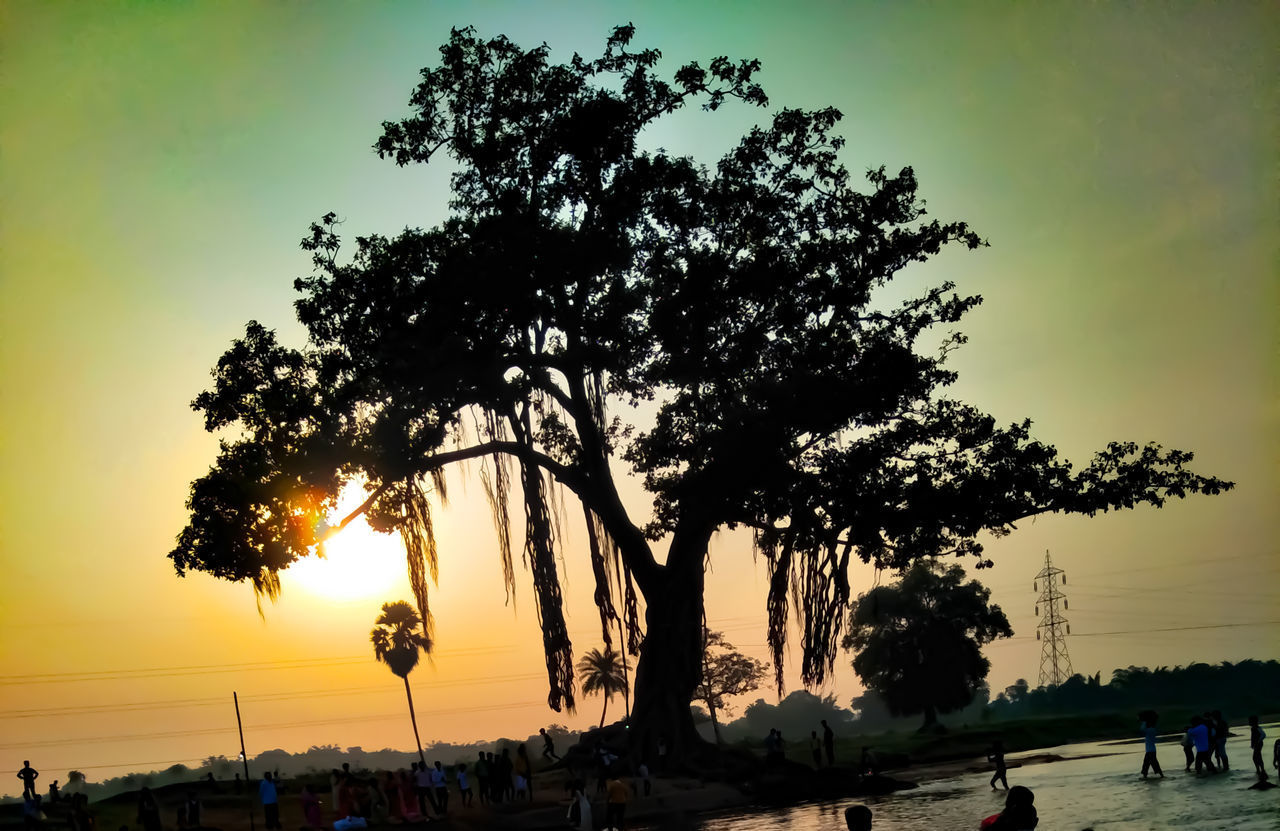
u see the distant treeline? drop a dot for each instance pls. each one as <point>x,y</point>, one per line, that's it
<point>1238,690</point>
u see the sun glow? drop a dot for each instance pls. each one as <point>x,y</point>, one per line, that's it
<point>358,563</point>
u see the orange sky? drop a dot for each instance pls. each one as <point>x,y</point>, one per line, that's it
<point>161,163</point>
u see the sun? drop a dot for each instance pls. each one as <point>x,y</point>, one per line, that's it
<point>359,563</point>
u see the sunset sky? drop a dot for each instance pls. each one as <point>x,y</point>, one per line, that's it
<point>160,162</point>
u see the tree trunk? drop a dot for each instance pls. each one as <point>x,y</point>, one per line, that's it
<point>604,710</point>
<point>670,662</point>
<point>414,718</point>
<point>715,723</point>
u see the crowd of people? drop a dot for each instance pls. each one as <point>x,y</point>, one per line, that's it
<point>1204,744</point>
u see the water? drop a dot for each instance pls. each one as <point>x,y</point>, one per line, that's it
<point>1103,793</point>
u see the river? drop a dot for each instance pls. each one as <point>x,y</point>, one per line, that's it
<point>1103,792</point>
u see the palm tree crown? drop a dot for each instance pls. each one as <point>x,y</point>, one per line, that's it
<point>397,637</point>
<point>601,672</point>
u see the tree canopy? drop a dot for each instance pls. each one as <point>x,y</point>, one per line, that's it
<point>918,642</point>
<point>746,304</point>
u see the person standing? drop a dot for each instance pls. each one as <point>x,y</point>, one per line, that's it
<point>829,743</point>
<point>1257,736</point>
<point>1147,725</point>
<point>440,784</point>
<point>148,810</point>
<point>54,796</point>
<point>996,757</point>
<point>270,802</point>
<point>815,748</point>
<point>28,775</point>
<point>191,807</point>
<point>422,786</point>
<point>311,808</point>
<point>481,768</point>
<point>616,808</point>
<point>464,786</point>
<point>1221,731</point>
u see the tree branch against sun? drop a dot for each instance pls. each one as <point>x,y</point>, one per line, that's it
<point>579,275</point>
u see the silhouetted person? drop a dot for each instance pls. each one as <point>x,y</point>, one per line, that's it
<point>996,757</point>
<point>829,743</point>
<point>311,808</point>
<point>239,784</point>
<point>1204,747</point>
<point>857,817</point>
<point>464,786</point>
<point>815,748</point>
<point>1019,812</point>
<point>28,775</point>
<point>440,785</point>
<point>270,802</point>
<point>548,745</point>
<point>481,769</point>
<point>191,807</point>
<point>524,769</point>
<point>1147,725</point>
<point>505,771</point>
<point>54,796</point>
<point>1257,737</point>
<point>1221,729</point>
<point>148,810</point>
<point>1188,748</point>
<point>645,780</point>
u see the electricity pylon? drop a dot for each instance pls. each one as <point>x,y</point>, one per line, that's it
<point>1055,663</point>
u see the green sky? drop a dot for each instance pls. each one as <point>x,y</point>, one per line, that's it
<point>160,161</point>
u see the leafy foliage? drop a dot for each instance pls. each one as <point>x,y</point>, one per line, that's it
<point>919,641</point>
<point>398,638</point>
<point>579,274</point>
<point>726,672</point>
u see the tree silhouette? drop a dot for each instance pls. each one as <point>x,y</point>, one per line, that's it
<point>795,393</point>
<point>919,641</point>
<point>726,672</point>
<point>601,672</point>
<point>397,638</point>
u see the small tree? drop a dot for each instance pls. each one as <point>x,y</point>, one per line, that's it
<point>725,672</point>
<point>397,638</point>
<point>919,641</point>
<point>602,672</point>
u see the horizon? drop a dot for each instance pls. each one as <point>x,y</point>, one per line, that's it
<point>162,164</point>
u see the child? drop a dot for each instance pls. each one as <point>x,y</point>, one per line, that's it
<point>1148,727</point>
<point>311,808</point>
<point>1256,737</point>
<point>996,757</point>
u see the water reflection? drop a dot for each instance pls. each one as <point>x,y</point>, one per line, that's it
<point>1104,793</point>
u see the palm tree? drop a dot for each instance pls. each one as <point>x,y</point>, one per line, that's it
<point>602,672</point>
<point>397,637</point>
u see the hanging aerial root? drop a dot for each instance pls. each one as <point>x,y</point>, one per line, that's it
<point>541,557</point>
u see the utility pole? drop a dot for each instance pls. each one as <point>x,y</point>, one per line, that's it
<point>244,757</point>
<point>1055,663</point>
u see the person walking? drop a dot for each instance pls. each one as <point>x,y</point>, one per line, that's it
<point>1147,726</point>
<point>1188,749</point>
<point>270,802</point>
<point>548,746</point>
<point>829,743</point>
<point>996,757</point>
<point>440,784</point>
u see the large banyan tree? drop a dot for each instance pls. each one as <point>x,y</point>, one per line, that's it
<point>591,309</point>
